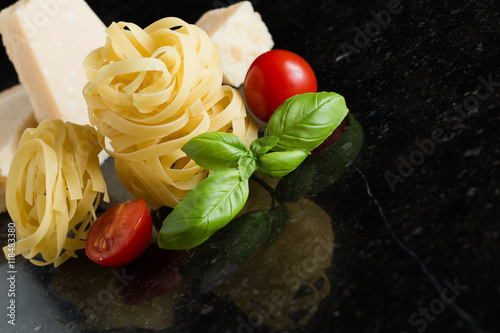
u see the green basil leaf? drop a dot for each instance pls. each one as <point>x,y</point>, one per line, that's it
<point>215,150</point>
<point>247,166</point>
<point>279,164</point>
<point>262,145</point>
<point>305,121</point>
<point>205,209</point>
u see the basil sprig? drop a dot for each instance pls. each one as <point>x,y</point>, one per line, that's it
<point>298,126</point>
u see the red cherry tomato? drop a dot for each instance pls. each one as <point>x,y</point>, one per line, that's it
<point>274,77</point>
<point>120,234</point>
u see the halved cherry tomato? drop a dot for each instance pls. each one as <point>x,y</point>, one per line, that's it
<point>120,234</point>
<point>274,77</point>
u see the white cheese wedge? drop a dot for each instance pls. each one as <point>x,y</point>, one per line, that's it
<point>16,115</point>
<point>47,41</point>
<point>241,36</point>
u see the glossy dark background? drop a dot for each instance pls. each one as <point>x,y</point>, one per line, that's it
<point>412,77</point>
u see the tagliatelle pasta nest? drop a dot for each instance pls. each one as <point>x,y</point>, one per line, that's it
<point>150,91</point>
<point>54,186</point>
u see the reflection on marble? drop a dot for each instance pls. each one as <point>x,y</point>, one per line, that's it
<point>282,285</point>
<point>122,297</point>
<point>276,280</point>
<point>418,74</point>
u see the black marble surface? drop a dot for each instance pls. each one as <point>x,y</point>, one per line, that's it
<point>415,217</point>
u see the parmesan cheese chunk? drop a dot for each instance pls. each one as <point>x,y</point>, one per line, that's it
<point>241,36</point>
<point>16,115</point>
<point>47,41</point>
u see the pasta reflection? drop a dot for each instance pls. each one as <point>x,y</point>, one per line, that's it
<point>140,295</point>
<point>282,285</point>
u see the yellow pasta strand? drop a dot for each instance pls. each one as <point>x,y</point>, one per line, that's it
<point>149,92</point>
<point>53,189</point>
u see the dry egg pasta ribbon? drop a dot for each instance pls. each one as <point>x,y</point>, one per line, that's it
<point>53,188</point>
<point>149,92</point>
